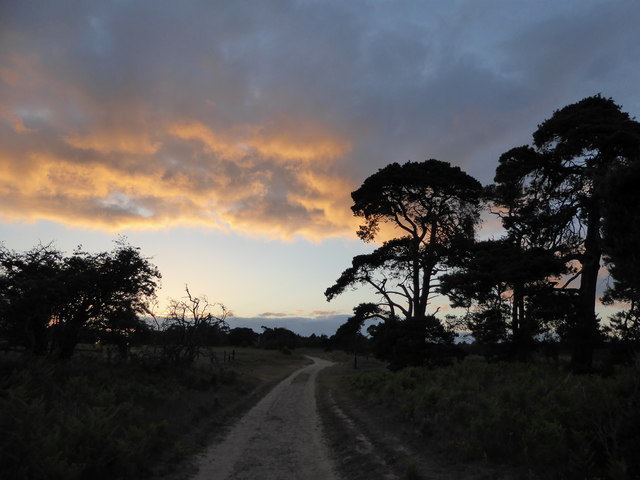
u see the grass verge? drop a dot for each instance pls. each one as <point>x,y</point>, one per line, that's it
<point>85,418</point>
<point>535,420</point>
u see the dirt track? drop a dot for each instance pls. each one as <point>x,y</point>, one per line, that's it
<point>279,438</point>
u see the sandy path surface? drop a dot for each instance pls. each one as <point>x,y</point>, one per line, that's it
<point>280,438</point>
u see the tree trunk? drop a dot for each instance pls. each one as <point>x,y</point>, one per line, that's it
<point>516,319</point>
<point>586,332</point>
<point>69,334</point>
<point>520,325</point>
<point>415,266</point>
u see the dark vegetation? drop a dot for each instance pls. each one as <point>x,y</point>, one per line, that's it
<point>533,418</point>
<point>84,419</point>
<point>552,388</point>
<point>89,417</point>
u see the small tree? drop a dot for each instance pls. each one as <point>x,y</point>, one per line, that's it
<point>621,227</point>
<point>103,292</point>
<point>191,324</point>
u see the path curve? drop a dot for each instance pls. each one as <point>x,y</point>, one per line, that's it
<point>279,438</point>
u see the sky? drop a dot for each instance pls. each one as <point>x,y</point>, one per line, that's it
<point>224,138</point>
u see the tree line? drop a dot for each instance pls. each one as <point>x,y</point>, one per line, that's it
<point>52,303</point>
<point>568,203</point>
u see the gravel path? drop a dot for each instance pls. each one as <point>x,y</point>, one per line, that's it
<point>280,438</point>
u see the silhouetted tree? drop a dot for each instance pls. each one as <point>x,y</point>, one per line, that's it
<point>278,339</point>
<point>49,301</point>
<point>243,337</point>
<point>191,324</point>
<point>495,281</point>
<point>624,330</point>
<point>316,341</point>
<point>413,342</point>
<point>104,291</point>
<point>435,207</point>
<point>29,295</point>
<point>554,195</point>
<point>621,226</point>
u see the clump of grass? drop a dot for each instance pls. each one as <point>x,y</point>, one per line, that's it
<point>554,424</point>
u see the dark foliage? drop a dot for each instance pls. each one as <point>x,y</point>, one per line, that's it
<point>83,419</point>
<point>49,302</point>
<point>279,339</point>
<point>539,419</point>
<point>554,196</point>
<point>243,337</point>
<point>414,342</point>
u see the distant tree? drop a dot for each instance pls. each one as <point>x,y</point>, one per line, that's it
<point>488,325</point>
<point>621,248</point>
<point>243,337</point>
<point>624,326</point>
<point>623,329</point>
<point>554,195</point>
<point>414,342</point>
<point>316,341</point>
<point>279,339</point>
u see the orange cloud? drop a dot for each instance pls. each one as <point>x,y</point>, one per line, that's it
<point>128,181</point>
<point>299,143</point>
<point>329,196</point>
<point>120,141</point>
<point>306,144</point>
<point>218,144</point>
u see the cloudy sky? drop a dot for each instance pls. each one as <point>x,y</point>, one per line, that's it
<point>224,137</point>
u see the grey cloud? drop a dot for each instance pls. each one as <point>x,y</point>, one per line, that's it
<point>408,80</point>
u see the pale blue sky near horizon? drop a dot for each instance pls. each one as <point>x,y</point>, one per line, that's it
<point>224,138</point>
